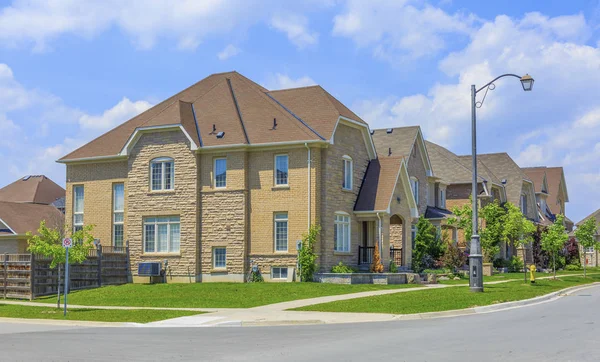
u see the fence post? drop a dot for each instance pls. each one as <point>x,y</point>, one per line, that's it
<point>32,277</point>
<point>5,273</point>
<point>99,255</point>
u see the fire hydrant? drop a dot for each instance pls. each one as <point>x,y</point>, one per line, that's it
<point>532,269</point>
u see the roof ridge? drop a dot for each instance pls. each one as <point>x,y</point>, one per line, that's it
<point>294,88</point>
<point>327,94</point>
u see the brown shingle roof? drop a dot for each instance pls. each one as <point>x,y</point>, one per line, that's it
<point>447,165</point>
<point>554,178</point>
<point>536,175</point>
<point>379,184</point>
<point>503,166</point>
<point>400,140</point>
<point>235,105</point>
<point>32,189</point>
<point>22,218</point>
<point>482,169</point>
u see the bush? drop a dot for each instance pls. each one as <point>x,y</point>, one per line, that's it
<point>516,264</point>
<point>572,252</point>
<point>393,267</point>
<point>256,276</point>
<point>573,267</point>
<point>436,271</point>
<point>453,258</point>
<point>376,266</point>
<point>341,268</point>
<point>307,258</point>
<point>502,263</point>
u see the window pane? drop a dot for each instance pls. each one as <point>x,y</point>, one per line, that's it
<point>119,197</point>
<point>283,272</point>
<point>168,175</point>
<point>162,239</point>
<point>156,176</point>
<point>78,219</point>
<point>118,235</point>
<point>281,234</point>
<point>348,174</point>
<point>78,198</point>
<point>118,217</point>
<point>149,239</point>
<point>220,172</point>
<point>220,257</point>
<point>281,169</point>
<point>175,237</point>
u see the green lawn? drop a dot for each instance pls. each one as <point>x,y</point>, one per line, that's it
<point>519,276</point>
<point>210,295</point>
<point>436,300</point>
<point>97,315</point>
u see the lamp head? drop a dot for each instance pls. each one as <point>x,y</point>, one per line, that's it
<point>527,82</point>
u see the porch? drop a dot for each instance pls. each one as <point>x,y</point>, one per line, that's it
<point>394,238</point>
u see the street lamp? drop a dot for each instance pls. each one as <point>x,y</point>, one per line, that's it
<point>475,256</point>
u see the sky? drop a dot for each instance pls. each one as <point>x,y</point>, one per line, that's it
<point>71,70</point>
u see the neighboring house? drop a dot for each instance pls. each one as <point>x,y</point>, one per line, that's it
<point>16,219</point>
<point>456,173</point>
<point>227,175</point>
<point>23,205</point>
<point>540,181</point>
<point>591,254</point>
<point>558,195</point>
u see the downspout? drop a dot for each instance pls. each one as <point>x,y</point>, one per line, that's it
<point>309,186</point>
<point>380,242</point>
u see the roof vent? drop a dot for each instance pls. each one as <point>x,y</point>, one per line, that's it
<point>389,151</point>
<point>389,130</point>
<point>274,123</point>
<point>503,181</point>
<point>214,128</point>
<point>26,178</point>
<point>220,134</point>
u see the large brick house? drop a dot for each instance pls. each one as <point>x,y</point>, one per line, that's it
<point>226,175</point>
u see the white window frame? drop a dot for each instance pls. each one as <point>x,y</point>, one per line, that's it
<point>342,223</point>
<point>155,221</point>
<point>414,185</point>
<point>214,258</point>
<point>118,212</point>
<point>348,172</point>
<point>287,171</point>
<point>215,172</point>
<point>277,276</point>
<point>78,225</point>
<point>281,217</point>
<point>443,198</point>
<point>162,161</point>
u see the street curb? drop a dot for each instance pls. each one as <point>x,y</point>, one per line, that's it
<point>58,322</point>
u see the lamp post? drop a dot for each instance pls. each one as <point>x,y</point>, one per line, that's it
<point>475,255</point>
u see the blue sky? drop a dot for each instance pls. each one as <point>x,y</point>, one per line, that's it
<point>71,70</point>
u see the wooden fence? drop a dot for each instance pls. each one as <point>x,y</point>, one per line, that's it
<point>27,276</point>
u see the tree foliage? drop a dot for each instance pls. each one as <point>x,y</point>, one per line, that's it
<point>454,258</point>
<point>586,235</point>
<point>554,239</point>
<point>307,258</point>
<point>48,242</point>
<point>429,246</point>
<point>492,231</point>
<point>517,229</point>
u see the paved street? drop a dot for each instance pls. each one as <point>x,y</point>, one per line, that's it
<point>563,330</point>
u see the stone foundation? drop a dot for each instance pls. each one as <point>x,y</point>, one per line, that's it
<point>361,278</point>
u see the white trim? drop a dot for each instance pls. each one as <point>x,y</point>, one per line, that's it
<point>275,169</point>
<point>365,130</point>
<point>424,153</point>
<point>162,161</point>
<point>344,224</point>
<point>348,159</point>
<point>287,231</point>
<point>95,158</point>
<point>257,145</point>
<point>9,228</point>
<point>214,259</point>
<point>214,173</point>
<point>132,140</point>
<point>414,210</point>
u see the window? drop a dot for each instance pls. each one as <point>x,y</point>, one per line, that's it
<point>414,184</point>
<point>220,172</point>
<point>281,231</point>
<point>281,170</point>
<point>162,174</point>
<point>77,208</point>
<point>443,199</point>
<point>279,273</point>
<point>118,213</point>
<point>162,234</point>
<point>413,234</point>
<point>347,167</point>
<point>524,204</point>
<point>589,250</point>
<point>341,233</point>
<point>220,258</point>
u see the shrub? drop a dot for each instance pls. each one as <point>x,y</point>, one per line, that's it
<point>306,256</point>
<point>516,264</point>
<point>573,267</point>
<point>393,267</point>
<point>376,266</point>
<point>429,246</point>
<point>436,271</point>
<point>454,258</point>
<point>572,252</point>
<point>341,268</point>
<point>256,276</point>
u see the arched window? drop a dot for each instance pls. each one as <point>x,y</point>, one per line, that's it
<point>414,185</point>
<point>347,167</point>
<point>162,174</point>
<point>341,232</point>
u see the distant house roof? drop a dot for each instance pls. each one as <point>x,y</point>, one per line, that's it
<point>595,214</point>
<point>503,166</point>
<point>32,189</point>
<point>19,218</point>
<point>228,109</point>
<point>448,166</point>
<point>399,139</point>
<point>555,178</point>
<point>538,176</point>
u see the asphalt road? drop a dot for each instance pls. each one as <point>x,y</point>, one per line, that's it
<point>563,330</point>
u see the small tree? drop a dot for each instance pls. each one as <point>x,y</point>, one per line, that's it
<point>462,219</point>
<point>307,258</point>
<point>518,230</point>
<point>586,235</point>
<point>491,233</point>
<point>554,239</point>
<point>425,241</point>
<point>376,265</point>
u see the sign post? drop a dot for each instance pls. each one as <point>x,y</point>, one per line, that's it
<point>67,243</point>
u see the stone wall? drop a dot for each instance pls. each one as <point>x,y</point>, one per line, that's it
<point>402,209</point>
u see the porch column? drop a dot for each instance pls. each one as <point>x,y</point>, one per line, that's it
<point>407,245</point>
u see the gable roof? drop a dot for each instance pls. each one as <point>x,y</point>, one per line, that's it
<point>401,141</point>
<point>482,169</point>
<point>448,166</point>
<point>538,176</point>
<point>555,178</point>
<point>503,166</point>
<point>245,112</point>
<point>19,218</point>
<point>595,214</point>
<point>37,189</point>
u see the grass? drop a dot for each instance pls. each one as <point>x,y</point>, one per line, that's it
<point>518,276</point>
<point>210,295</point>
<point>437,300</point>
<point>98,315</point>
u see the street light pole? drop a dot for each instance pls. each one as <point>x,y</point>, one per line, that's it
<point>475,254</point>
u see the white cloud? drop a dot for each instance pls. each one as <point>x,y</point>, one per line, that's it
<point>283,81</point>
<point>399,30</point>
<point>296,28</point>
<point>229,51</point>
<point>37,23</point>
<point>112,117</point>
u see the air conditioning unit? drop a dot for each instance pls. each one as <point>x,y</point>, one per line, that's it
<point>150,269</point>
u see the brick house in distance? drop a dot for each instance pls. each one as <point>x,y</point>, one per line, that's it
<point>226,175</point>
